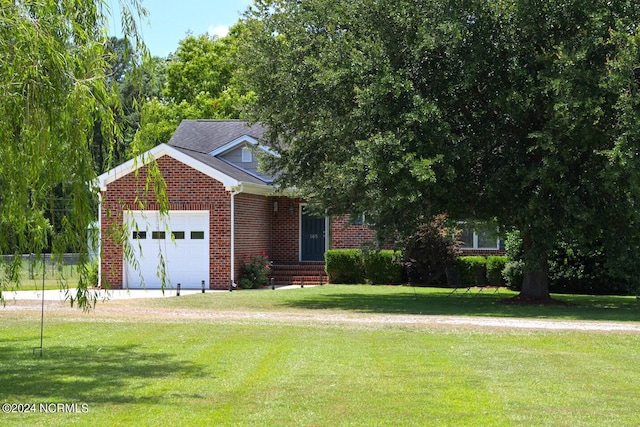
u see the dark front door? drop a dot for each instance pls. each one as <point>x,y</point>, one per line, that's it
<point>313,235</point>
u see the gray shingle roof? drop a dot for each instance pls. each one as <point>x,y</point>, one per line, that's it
<point>204,136</point>
<point>222,166</point>
<point>198,138</point>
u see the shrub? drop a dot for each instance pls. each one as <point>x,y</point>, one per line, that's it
<point>90,274</point>
<point>583,268</point>
<point>344,265</point>
<point>495,266</point>
<point>256,273</point>
<point>575,266</point>
<point>473,270</point>
<point>430,251</point>
<point>382,267</point>
<point>513,274</point>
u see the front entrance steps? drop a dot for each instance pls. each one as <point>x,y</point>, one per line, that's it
<point>300,273</point>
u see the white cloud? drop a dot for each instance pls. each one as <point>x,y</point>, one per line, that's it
<point>220,30</point>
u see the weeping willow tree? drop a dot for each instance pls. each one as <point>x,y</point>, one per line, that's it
<point>54,87</point>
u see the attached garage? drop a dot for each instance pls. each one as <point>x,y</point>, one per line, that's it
<point>180,239</point>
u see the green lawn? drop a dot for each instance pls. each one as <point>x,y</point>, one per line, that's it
<point>31,276</point>
<point>407,300</point>
<point>163,370</point>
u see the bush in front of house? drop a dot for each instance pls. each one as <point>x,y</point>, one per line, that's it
<point>382,267</point>
<point>431,251</point>
<point>473,270</point>
<point>255,273</point>
<point>495,266</point>
<point>345,266</point>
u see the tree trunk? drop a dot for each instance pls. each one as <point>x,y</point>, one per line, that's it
<point>535,285</point>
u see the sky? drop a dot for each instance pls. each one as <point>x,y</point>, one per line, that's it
<point>169,21</point>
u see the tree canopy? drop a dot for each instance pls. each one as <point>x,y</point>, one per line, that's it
<point>54,85</point>
<point>522,112</point>
<point>201,83</point>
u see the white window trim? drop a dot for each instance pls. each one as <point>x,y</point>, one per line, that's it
<point>476,242</point>
<point>247,155</point>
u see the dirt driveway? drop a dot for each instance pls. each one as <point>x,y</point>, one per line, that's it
<point>123,310</point>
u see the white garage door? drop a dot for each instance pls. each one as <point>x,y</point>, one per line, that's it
<point>186,255</point>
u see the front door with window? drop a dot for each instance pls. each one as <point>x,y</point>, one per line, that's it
<point>313,237</point>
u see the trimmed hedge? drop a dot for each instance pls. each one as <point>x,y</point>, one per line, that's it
<point>495,266</point>
<point>481,271</point>
<point>344,265</point>
<point>382,267</point>
<point>473,270</point>
<point>357,266</point>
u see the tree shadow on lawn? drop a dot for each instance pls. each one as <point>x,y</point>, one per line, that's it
<point>406,301</point>
<point>90,374</point>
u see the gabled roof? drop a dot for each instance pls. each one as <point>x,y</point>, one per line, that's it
<point>192,144</point>
<point>206,136</point>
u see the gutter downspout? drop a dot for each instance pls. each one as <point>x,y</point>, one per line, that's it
<point>99,243</point>
<point>234,192</point>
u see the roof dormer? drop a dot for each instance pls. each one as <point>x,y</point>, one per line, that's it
<point>241,153</point>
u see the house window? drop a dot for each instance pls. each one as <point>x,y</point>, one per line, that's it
<point>482,238</point>
<point>158,235</point>
<point>178,235</point>
<point>140,235</point>
<point>359,220</point>
<point>467,238</point>
<point>247,155</point>
<point>197,235</point>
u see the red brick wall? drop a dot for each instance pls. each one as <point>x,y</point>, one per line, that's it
<point>346,236</point>
<point>252,228</point>
<point>286,230</point>
<point>187,189</point>
<point>483,252</point>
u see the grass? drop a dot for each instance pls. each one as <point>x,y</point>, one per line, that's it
<point>407,300</point>
<point>31,274</point>
<point>137,370</point>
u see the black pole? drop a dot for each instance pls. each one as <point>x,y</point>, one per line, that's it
<point>42,310</point>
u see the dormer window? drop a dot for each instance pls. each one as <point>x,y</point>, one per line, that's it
<point>247,155</point>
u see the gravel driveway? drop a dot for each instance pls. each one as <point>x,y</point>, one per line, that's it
<point>119,308</point>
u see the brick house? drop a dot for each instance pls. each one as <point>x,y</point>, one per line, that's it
<point>222,211</point>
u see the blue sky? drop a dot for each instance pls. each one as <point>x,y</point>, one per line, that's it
<point>169,21</point>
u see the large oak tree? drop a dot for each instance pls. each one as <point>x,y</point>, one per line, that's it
<point>524,112</point>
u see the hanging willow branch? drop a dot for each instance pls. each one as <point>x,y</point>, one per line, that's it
<point>54,67</point>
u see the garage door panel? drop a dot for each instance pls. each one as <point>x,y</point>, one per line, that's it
<point>186,259</point>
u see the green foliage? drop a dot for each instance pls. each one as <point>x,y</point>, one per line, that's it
<point>201,83</point>
<point>54,87</point>
<point>495,267</point>
<point>255,273</point>
<point>473,270</point>
<point>524,112</point>
<point>430,251</point>
<point>513,274</point>
<point>91,275</point>
<point>345,266</point>
<point>382,267</point>
<point>584,269</point>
